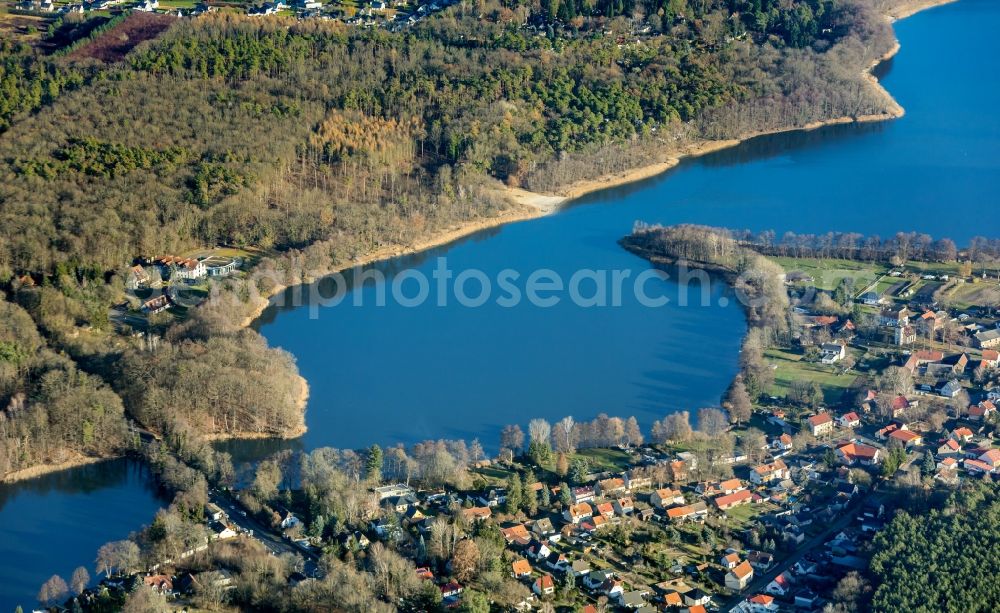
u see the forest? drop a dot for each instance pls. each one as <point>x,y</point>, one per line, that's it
<point>936,561</point>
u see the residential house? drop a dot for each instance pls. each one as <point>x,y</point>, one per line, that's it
<point>557,561</point>
<point>612,588</point>
<point>633,599</point>
<point>820,424</point>
<point>962,435</point>
<point>992,458</point>
<point>735,499</point>
<point>782,443</point>
<point>579,568</point>
<point>780,585</point>
<point>451,590</point>
<point>475,515</point>
<point>610,487</point>
<point>516,534</point>
<point>987,339</point>
<point>288,520</point>
<point>161,584</point>
<point>624,505</point>
<point>578,512</point>
<point>950,389</point>
<point>181,268</point>
<point>858,453</point>
<point>908,438</point>
<point>605,509</point>
<point>849,420</point>
<point>544,585</point>
<point>991,358</point>
<point>977,466</point>
<point>981,411</point>
<point>904,335</point>
<point>765,473</point>
<point>156,305</point>
<point>697,597</point>
<point>596,579</point>
<point>760,560</point>
<point>539,551</point>
<point>739,577</point>
<point>392,491</point>
<point>543,527</point>
<point>832,352</point>
<point>583,494</point>
<point>759,603</point>
<point>664,498</point>
<point>730,560</point>
<point>695,512</point>
<point>521,569</point>
<point>949,447</point>
<point>637,481</point>
<point>895,317</point>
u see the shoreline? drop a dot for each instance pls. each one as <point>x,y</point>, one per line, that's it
<point>532,205</point>
<point>40,470</point>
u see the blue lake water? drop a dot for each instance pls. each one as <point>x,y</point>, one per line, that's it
<point>396,374</point>
<point>52,524</point>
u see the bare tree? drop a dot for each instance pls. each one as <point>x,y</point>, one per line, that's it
<point>564,435</point>
<point>80,580</point>
<point>539,431</point>
<point>53,591</point>
<point>712,422</point>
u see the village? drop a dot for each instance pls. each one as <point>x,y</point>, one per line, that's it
<point>393,14</point>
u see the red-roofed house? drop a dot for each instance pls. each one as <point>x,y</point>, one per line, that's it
<point>761,603</point>
<point>516,533</point>
<point>544,585</point>
<point>782,443</point>
<point>666,497</point>
<point>981,411</point>
<point>908,438</point>
<point>977,466</point>
<point>730,560</point>
<point>521,569</point>
<point>991,457</point>
<point>859,453</point>
<point>733,500</point>
<point>949,447</point>
<point>578,512</point>
<point>962,435</point>
<point>779,586</point>
<point>820,424</point>
<point>765,473</point>
<point>991,358</point>
<point>738,578</point>
<point>849,420</point>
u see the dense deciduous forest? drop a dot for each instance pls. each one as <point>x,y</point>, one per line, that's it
<point>50,411</point>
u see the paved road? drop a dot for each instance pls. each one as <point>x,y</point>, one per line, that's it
<point>274,542</point>
<point>760,581</point>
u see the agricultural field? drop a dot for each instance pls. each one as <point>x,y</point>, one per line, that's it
<point>112,46</point>
<point>967,295</point>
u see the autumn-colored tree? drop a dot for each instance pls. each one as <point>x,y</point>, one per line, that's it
<point>465,560</point>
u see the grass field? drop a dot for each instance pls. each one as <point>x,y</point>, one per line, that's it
<point>827,274</point>
<point>791,368</point>
<point>984,293</point>
<point>604,459</point>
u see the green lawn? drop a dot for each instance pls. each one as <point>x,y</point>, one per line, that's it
<point>604,459</point>
<point>791,368</point>
<point>827,273</point>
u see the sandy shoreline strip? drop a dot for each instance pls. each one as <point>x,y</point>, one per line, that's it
<point>43,469</point>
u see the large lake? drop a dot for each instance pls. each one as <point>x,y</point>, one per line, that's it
<point>393,374</point>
